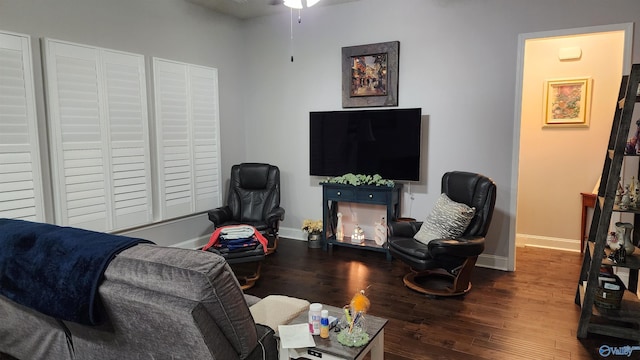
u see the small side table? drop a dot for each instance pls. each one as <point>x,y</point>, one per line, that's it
<point>331,349</point>
<point>588,201</point>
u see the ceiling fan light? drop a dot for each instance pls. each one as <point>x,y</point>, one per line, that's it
<point>296,4</point>
<point>310,3</point>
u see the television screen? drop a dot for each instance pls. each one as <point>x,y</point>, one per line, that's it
<point>384,142</point>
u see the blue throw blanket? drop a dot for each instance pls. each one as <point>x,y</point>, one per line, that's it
<point>57,270</point>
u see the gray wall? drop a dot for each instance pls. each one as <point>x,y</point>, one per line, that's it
<point>457,62</point>
<point>171,29</point>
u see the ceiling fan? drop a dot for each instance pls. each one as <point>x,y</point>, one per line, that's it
<point>269,2</point>
<point>291,4</point>
<point>295,4</point>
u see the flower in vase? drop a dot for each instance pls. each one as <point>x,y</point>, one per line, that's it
<point>312,226</point>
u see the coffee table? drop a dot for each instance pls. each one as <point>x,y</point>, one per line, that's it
<point>331,349</point>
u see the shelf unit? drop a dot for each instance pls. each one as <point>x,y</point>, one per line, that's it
<point>624,322</point>
<point>332,194</point>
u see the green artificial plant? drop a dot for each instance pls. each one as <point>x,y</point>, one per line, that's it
<point>359,179</point>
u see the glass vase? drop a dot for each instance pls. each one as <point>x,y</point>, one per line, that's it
<point>354,334</point>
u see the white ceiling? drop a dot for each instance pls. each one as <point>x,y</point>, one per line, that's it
<point>246,9</point>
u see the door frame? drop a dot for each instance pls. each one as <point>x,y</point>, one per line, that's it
<point>515,160</point>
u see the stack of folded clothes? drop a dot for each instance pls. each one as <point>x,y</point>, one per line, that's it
<point>236,238</point>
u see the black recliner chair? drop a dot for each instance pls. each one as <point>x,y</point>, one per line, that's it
<point>253,199</point>
<point>443,266</point>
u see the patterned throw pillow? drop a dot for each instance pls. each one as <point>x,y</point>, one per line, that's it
<point>448,219</point>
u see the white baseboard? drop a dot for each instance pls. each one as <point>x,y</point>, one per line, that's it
<point>548,242</point>
<point>292,233</point>
<point>493,262</point>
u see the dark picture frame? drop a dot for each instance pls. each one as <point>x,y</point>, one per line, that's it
<point>370,75</point>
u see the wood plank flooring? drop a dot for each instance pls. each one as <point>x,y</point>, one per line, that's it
<point>526,314</point>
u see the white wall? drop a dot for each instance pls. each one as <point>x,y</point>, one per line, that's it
<point>457,62</point>
<point>170,29</point>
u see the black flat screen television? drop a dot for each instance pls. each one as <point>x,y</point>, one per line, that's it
<point>384,142</point>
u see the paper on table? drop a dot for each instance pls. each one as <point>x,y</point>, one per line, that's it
<point>295,336</point>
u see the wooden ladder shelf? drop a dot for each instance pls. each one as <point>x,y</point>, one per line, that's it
<point>624,322</point>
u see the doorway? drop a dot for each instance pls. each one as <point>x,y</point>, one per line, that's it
<point>553,164</point>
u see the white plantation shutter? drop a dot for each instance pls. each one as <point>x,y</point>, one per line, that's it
<point>92,92</point>
<point>173,132</point>
<point>20,176</point>
<point>187,131</point>
<point>76,136</point>
<point>204,112</point>
<point>129,138</point>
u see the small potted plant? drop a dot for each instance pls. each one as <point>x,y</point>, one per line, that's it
<point>313,228</point>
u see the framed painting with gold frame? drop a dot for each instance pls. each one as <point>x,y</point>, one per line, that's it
<point>567,102</point>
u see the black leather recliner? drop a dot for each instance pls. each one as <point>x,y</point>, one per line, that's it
<point>443,267</point>
<point>253,199</point>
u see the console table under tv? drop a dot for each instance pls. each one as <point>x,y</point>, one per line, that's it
<point>365,194</point>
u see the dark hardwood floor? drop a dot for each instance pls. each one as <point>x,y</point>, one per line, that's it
<point>526,314</point>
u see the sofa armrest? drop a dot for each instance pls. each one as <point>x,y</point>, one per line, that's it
<point>267,348</point>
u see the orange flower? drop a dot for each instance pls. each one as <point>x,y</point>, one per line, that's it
<point>359,302</point>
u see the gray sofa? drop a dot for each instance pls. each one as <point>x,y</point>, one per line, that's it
<point>160,303</point>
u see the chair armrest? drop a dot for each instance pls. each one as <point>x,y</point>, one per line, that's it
<point>404,228</point>
<point>461,247</point>
<point>276,214</point>
<point>220,215</point>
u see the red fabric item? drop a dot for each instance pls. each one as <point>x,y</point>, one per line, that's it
<point>216,235</point>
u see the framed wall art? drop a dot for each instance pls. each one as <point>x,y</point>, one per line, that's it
<point>567,102</point>
<point>370,75</point>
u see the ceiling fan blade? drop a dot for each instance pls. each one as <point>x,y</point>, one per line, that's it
<point>275,2</point>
